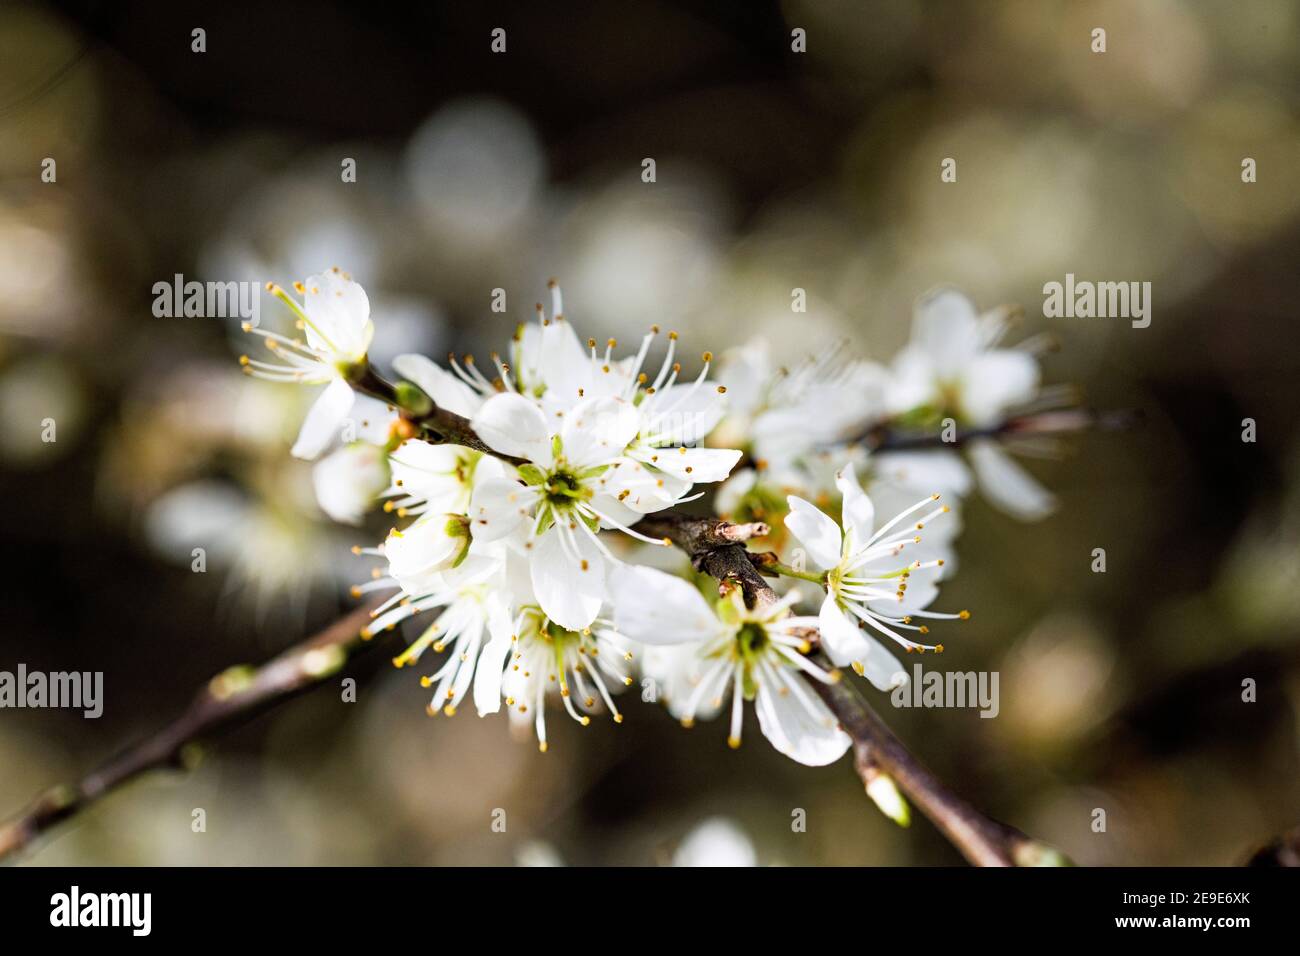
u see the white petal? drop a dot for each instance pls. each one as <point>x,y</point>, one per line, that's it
<point>819,535</point>
<point>570,595</point>
<point>840,635</point>
<point>846,644</point>
<point>498,507</point>
<point>473,636</point>
<point>996,381</point>
<point>859,513</point>
<point>321,425</point>
<point>512,425</point>
<point>913,380</point>
<point>684,414</point>
<point>492,661</point>
<point>428,472</point>
<point>613,509</point>
<point>922,589</point>
<point>338,314</point>
<point>946,327</point>
<point>648,489</point>
<point>923,473</point>
<point>563,364</point>
<point>693,464</point>
<point>655,607</point>
<point>597,430</point>
<point>371,419</point>
<point>445,389</point>
<point>812,739</point>
<point>348,481</point>
<point>746,371</point>
<point>1007,485</point>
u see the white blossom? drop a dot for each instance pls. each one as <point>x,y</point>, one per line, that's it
<point>582,668</point>
<point>474,618</point>
<point>953,368</point>
<point>335,319</point>
<point>866,583</point>
<point>729,649</point>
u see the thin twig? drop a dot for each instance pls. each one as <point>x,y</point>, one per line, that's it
<point>231,697</point>
<point>887,437</point>
<point>422,416</point>
<point>981,839</point>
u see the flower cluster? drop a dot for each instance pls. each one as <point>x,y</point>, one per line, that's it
<point>521,496</point>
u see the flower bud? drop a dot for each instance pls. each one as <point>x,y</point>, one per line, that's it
<point>884,793</point>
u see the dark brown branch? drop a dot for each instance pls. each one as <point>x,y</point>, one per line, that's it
<point>886,437</point>
<point>982,840</point>
<point>715,549</point>
<point>424,417</point>
<point>233,696</point>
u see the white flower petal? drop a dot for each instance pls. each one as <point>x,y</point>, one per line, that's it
<point>819,535</point>
<point>847,644</point>
<point>693,464</point>
<point>840,636</point>
<point>996,381</point>
<point>859,513</point>
<point>812,739</point>
<point>913,380</point>
<point>613,509</point>
<point>512,425</point>
<point>655,607</point>
<point>570,594</point>
<point>320,427</point>
<point>348,481</point>
<point>1007,485</point>
<point>371,419</point>
<point>923,473</point>
<point>445,389</point>
<point>563,364</point>
<point>684,414</point>
<point>648,489</point>
<point>946,327</point>
<point>597,430</point>
<point>429,473</point>
<point>498,507</point>
<point>492,661</point>
<point>338,314</point>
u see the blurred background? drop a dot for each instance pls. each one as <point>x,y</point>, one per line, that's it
<point>775,170</point>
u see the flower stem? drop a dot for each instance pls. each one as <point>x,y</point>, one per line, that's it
<point>784,569</point>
